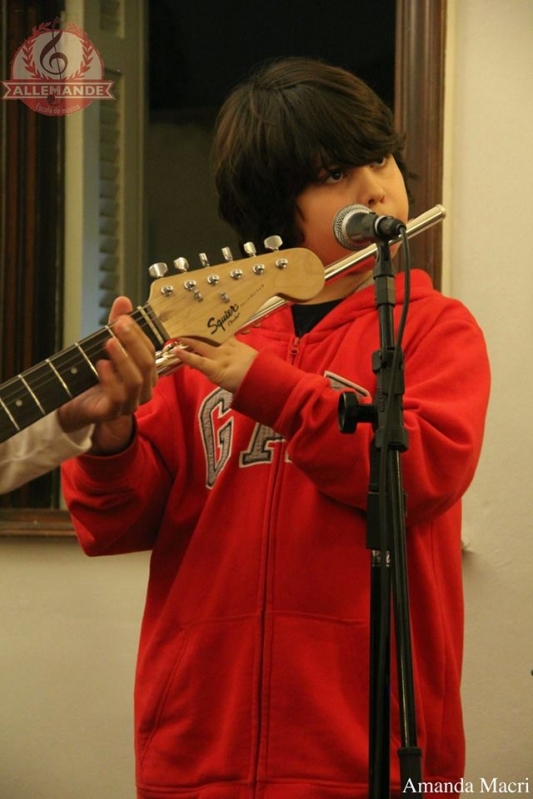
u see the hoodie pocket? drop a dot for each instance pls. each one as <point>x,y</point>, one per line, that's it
<point>196,726</point>
<point>318,703</point>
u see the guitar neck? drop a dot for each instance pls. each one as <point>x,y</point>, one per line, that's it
<point>42,389</point>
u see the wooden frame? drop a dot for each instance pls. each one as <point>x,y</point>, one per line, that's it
<point>419,106</point>
<point>419,69</point>
<point>31,227</point>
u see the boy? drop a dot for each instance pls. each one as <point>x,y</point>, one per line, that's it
<point>125,380</point>
<point>253,663</point>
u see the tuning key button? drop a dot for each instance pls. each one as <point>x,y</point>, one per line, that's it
<point>249,248</point>
<point>181,264</point>
<point>204,260</point>
<point>273,242</point>
<point>227,254</point>
<point>158,269</point>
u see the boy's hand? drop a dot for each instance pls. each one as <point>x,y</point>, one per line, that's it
<point>126,381</point>
<point>225,365</point>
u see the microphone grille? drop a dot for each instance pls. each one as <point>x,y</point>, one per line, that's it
<point>340,222</point>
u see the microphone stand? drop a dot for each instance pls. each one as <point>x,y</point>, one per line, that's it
<point>386,540</point>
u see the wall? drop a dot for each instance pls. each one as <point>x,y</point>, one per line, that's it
<point>68,637</point>
<point>489,199</point>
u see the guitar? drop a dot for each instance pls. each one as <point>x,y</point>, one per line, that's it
<point>211,303</point>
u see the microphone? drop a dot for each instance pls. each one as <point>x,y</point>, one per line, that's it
<point>356,226</point>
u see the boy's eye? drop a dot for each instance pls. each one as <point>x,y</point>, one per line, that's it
<point>381,162</point>
<point>333,175</point>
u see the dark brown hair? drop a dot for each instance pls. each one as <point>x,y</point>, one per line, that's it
<point>277,130</point>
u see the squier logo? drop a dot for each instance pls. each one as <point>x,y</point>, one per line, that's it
<point>57,71</point>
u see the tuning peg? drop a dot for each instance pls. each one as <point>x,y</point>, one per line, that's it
<point>204,260</point>
<point>158,269</point>
<point>227,254</point>
<point>181,264</point>
<point>273,242</point>
<point>249,248</point>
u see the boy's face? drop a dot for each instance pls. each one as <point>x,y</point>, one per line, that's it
<point>378,186</point>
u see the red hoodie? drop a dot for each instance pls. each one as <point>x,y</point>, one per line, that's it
<point>252,676</point>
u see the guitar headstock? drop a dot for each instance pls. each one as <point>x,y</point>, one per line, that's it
<point>214,302</point>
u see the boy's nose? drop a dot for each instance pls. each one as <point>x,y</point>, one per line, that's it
<point>372,189</point>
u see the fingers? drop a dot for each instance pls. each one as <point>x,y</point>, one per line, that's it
<point>135,344</point>
<point>206,358</point>
<point>126,380</point>
<point>121,306</point>
<point>121,381</point>
<point>132,357</point>
<point>201,349</point>
<point>226,365</point>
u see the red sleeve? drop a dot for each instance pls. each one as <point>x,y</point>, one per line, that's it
<point>126,518</point>
<point>447,386</point>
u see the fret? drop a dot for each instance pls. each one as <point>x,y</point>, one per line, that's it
<point>8,425</point>
<point>90,363</point>
<point>150,325</point>
<point>75,366</point>
<point>34,396</point>
<point>45,383</point>
<point>51,365</point>
<point>20,403</point>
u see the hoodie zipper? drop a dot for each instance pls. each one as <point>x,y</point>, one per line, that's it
<point>294,349</point>
<point>292,354</point>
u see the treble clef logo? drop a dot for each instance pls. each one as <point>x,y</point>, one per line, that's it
<point>51,59</point>
<point>57,70</point>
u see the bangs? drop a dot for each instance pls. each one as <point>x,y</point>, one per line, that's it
<point>311,130</point>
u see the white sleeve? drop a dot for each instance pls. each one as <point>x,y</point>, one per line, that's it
<point>38,449</point>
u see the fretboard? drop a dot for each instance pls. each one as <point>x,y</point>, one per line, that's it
<point>43,388</point>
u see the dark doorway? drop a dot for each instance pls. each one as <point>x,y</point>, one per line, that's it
<point>195,57</point>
